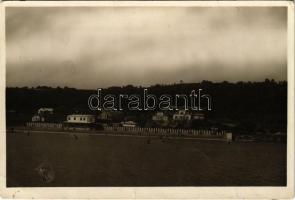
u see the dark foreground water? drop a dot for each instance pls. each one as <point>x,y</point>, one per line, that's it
<point>43,159</point>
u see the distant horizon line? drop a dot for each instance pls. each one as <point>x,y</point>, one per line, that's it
<point>157,84</point>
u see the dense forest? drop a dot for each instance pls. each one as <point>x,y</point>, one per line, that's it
<point>255,105</point>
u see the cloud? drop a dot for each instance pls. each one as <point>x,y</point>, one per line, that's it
<point>100,47</point>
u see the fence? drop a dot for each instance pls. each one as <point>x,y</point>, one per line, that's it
<point>136,130</point>
<point>165,131</point>
<point>44,125</point>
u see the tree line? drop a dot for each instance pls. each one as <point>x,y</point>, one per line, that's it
<point>251,103</point>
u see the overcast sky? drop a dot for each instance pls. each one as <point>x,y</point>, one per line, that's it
<point>101,47</point>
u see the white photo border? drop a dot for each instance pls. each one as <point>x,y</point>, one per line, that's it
<point>151,192</point>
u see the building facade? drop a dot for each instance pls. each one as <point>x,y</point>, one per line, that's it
<point>198,116</point>
<point>160,116</point>
<point>181,115</point>
<point>129,124</point>
<point>43,115</point>
<point>81,118</point>
<point>45,111</point>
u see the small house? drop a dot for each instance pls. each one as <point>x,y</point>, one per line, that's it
<point>129,124</point>
<point>160,116</point>
<point>38,118</point>
<point>43,115</point>
<point>182,115</point>
<point>198,116</point>
<point>105,115</point>
<point>45,111</point>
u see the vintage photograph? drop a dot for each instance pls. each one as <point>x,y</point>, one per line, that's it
<point>146,96</point>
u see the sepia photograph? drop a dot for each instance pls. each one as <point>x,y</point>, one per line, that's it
<point>147,96</point>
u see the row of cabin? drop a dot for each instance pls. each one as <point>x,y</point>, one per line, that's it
<point>45,114</point>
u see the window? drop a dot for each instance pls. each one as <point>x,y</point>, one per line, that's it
<point>74,118</point>
<point>80,118</point>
